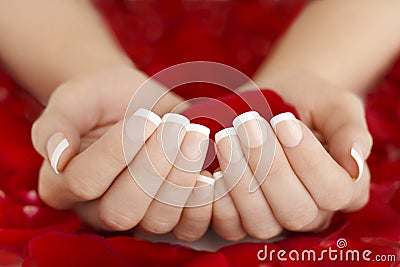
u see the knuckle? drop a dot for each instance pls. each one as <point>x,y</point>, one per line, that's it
<point>187,236</point>
<point>295,221</point>
<point>117,219</point>
<point>159,226</point>
<point>81,188</point>
<point>229,233</point>
<point>198,219</point>
<point>233,237</point>
<point>264,232</point>
<point>317,225</point>
<point>116,155</point>
<point>358,203</point>
<point>336,198</point>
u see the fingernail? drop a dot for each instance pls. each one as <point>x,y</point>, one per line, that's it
<point>138,128</point>
<point>147,114</point>
<point>217,175</point>
<point>224,133</point>
<point>202,193</point>
<point>193,127</point>
<point>194,145</point>
<point>229,148</point>
<point>205,179</point>
<point>254,132</point>
<point>177,118</point>
<point>287,128</point>
<point>220,188</point>
<point>359,160</point>
<point>170,135</point>
<point>172,132</point>
<point>56,145</point>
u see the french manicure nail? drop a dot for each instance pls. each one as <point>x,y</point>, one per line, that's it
<point>220,188</point>
<point>251,128</point>
<point>194,145</point>
<point>172,131</point>
<point>224,133</point>
<point>177,118</point>
<point>205,179</point>
<point>56,145</point>
<point>202,193</point>
<point>217,175</point>
<point>193,127</point>
<point>287,128</point>
<point>230,151</point>
<point>147,114</point>
<point>138,128</point>
<point>359,160</point>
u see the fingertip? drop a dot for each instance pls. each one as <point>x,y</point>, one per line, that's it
<point>224,133</point>
<point>147,114</point>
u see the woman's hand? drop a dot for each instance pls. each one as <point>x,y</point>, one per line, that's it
<point>308,180</point>
<point>85,168</point>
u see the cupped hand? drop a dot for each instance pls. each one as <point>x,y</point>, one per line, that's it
<point>80,137</point>
<point>306,169</point>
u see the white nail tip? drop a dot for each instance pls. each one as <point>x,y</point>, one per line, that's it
<point>177,118</point>
<point>359,160</point>
<point>193,127</point>
<point>217,175</point>
<point>281,117</point>
<point>147,114</point>
<point>205,179</point>
<point>223,133</point>
<point>247,116</point>
<point>57,154</point>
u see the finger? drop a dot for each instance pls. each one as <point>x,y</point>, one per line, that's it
<point>56,133</point>
<point>255,214</point>
<point>329,184</point>
<point>67,116</point>
<point>346,132</point>
<point>225,217</point>
<point>320,222</point>
<point>163,214</point>
<point>90,173</point>
<point>360,192</point>
<point>127,200</point>
<point>289,200</point>
<point>196,218</point>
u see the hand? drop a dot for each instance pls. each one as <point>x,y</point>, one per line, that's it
<point>289,197</point>
<point>84,168</point>
<point>306,182</point>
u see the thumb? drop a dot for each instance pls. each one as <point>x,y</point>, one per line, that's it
<point>345,129</point>
<point>56,133</point>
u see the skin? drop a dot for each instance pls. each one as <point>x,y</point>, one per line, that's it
<point>333,50</point>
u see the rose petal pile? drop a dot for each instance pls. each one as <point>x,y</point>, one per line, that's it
<point>157,35</point>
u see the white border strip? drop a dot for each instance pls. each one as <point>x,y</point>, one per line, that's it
<point>224,133</point>
<point>147,114</point>
<point>281,117</point>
